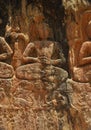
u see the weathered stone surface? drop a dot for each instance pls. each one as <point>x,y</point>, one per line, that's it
<point>82,74</point>
<point>6,83</point>
<point>6,71</point>
<point>5,86</point>
<point>29,102</point>
<point>81,101</point>
<point>39,95</point>
<point>36,71</point>
<point>19,42</point>
<point>39,89</point>
<point>29,72</point>
<point>78,34</point>
<point>80,47</point>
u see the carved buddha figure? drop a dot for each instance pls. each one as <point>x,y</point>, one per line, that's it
<point>85,51</point>
<point>42,60</point>
<point>19,42</point>
<point>82,58</point>
<point>6,70</point>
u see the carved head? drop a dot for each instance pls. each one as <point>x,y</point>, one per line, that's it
<point>88,29</point>
<point>72,31</point>
<point>43,30</point>
<point>38,18</point>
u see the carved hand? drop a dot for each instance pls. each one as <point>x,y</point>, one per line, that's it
<point>45,60</point>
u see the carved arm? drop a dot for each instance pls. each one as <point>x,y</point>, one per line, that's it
<point>26,57</point>
<point>85,54</point>
<point>60,61</point>
<point>23,36</point>
<point>7,51</point>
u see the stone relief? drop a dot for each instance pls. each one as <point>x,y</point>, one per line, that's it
<point>78,33</point>
<point>5,54</point>
<point>35,86</point>
<point>19,42</point>
<point>79,53</point>
<point>35,91</point>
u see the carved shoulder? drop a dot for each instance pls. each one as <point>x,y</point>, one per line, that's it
<point>5,46</point>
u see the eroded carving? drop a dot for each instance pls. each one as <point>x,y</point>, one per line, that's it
<point>39,95</point>
<point>79,40</point>
<point>84,60</point>
<point>80,49</point>
<point>40,85</point>
<point>19,42</point>
<point>5,54</point>
<point>42,58</point>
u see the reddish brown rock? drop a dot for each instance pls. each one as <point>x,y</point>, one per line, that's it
<point>6,71</point>
<point>39,86</point>
<point>81,101</point>
<point>19,42</point>
<point>80,48</point>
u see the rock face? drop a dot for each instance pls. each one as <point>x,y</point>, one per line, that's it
<point>37,97</point>
<point>79,53</point>
<point>78,33</point>
<point>36,92</point>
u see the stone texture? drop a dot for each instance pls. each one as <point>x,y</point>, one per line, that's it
<point>81,101</point>
<point>80,52</point>
<point>38,97</point>
<point>6,71</point>
<point>78,34</point>
<point>37,94</point>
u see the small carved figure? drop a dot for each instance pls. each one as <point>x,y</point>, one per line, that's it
<point>79,37</point>
<point>5,50</point>
<point>85,51</point>
<point>19,42</point>
<point>82,71</point>
<point>6,70</point>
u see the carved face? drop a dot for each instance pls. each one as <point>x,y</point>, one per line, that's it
<point>88,29</point>
<point>43,30</point>
<point>72,31</point>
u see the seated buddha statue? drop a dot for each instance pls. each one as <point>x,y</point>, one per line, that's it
<point>18,44</point>
<point>82,68</point>
<point>6,70</point>
<point>43,60</point>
